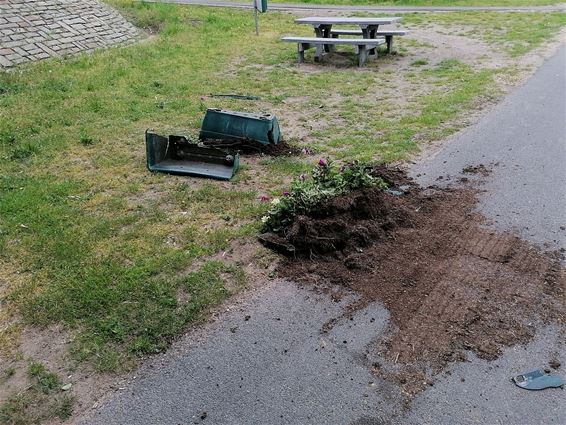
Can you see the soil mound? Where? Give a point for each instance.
(450, 284)
(348, 223)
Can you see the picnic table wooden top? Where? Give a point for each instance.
(333, 20)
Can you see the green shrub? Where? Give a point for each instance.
(326, 181)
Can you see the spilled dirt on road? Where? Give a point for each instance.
(450, 284)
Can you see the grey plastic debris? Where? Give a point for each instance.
(538, 380)
(394, 192)
(401, 190)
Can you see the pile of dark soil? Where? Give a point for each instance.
(449, 284)
(255, 148)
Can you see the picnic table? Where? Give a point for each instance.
(369, 30)
(323, 25)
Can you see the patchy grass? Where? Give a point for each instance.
(419, 3)
(419, 62)
(7, 373)
(42, 400)
(506, 30)
(45, 381)
(118, 255)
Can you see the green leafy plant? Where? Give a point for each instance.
(326, 181)
(45, 380)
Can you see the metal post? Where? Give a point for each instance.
(255, 19)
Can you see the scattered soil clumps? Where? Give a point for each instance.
(477, 169)
(450, 284)
(283, 149)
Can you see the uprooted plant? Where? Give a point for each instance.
(327, 180)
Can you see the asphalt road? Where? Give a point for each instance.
(266, 361)
(522, 143)
(377, 9)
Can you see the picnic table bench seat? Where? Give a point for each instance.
(388, 34)
(364, 45)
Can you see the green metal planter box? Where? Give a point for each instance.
(240, 127)
(176, 155)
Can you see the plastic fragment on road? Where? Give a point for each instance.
(538, 380)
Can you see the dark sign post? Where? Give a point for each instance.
(261, 6)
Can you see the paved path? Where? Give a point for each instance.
(266, 362)
(34, 30)
(392, 9)
(523, 144)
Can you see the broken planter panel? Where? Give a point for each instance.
(240, 127)
(176, 155)
(538, 380)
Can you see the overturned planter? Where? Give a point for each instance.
(240, 128)
(176, 155)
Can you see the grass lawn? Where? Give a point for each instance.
(501, 3)
(123, 259)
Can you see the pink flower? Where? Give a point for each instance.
(322, 163)
(263, 198)
(286, 194)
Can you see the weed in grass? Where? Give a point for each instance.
(23, 151)
(7, 137)
(85, 139)
(16, 410)
(41, 401)
(45, 380)
(419, 62)
(8, 373)
(63, 407)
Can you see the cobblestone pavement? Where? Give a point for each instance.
(38, 29)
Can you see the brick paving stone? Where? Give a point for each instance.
(5, 62)
(34, 30)
(20, 52)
